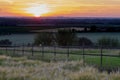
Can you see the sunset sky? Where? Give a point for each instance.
(67, 8)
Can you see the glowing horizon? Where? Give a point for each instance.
(71, 8)
(37, 10)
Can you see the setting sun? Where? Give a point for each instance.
(37, 10)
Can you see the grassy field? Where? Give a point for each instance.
(75, 55)
(22, 68)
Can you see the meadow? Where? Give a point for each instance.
(110, 57)
(22, 68)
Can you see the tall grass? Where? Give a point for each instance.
(14, 68)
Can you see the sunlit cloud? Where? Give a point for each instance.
(8, 1)
(37, 9)
(60, 7)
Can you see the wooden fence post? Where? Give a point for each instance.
(101, 59)
(14, 49)
(83, 51)
(42, 51)
(6, 50)
(68, 52)
(54, 52)
(32, 49)
(23, 49)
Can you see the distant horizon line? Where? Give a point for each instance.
(58, 17)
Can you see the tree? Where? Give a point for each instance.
(44, 38)
(65, 37)
(5, 42)
(105, 41)
(85, 41)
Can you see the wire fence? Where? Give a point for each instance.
(93, 55)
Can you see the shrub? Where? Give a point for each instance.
(43, 39)
(105, 41)
(61, 38)
(84, 41)
(5, 42)
(65, 37)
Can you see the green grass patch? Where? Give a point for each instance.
(49, 55)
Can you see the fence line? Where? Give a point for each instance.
(58, 50)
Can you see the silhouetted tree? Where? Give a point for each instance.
(65, 37)
(93, 28)
(105, 41)
(5, 42)
(44, 39)
(84, 41)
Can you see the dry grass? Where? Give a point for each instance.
(24, 69)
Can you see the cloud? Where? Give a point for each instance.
(66, 2)
(79, 7)
(99, 2)
(7, 1)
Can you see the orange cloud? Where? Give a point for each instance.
(78, 8)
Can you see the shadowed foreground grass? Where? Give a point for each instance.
(21, 68)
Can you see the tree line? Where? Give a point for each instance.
(5, 42)
(69, 38)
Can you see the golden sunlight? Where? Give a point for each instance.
(37, 10)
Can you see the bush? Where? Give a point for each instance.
(65, 37)
(84, 41)
(105, 41)
(5, 42)
(44, 39)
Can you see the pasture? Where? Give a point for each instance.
(102, 58)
